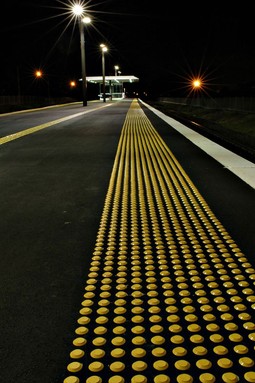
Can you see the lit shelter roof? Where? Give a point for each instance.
(114, 79)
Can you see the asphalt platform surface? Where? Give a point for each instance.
(53, 185)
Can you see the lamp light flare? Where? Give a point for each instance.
(38, 73)
(78, 9)
(197, 83)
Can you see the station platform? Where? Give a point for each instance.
(169, 296)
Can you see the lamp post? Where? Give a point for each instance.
(78, 10)
(104, 49)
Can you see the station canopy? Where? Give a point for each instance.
(113, 79)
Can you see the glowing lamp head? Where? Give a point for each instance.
(196, 83)
(86, 20)
(78, 9)
(38, 73)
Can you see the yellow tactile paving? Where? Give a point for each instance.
(169, 296)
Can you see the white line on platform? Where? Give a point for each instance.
(241, 167)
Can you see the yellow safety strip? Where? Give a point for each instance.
(28, 131)
(169, 296)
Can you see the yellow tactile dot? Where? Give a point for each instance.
(119, 330)
(209, 317)
(139, 365)
(177, 339)
(161, 379)
(212, 327)
(120, 310)
(154, 309)
(74, 366)
(182, 365)
(216, 338)
(94, 379)
(225, 363)
(71, 379)
(171, 309)
(223, 308)
(116, 379)
(78, 342)
(81, 330)
(184, 378)
(77, 353)
(102, 319)
(191, 318)
(175, 328)
(250, 376)
(120, 302)
(97, 353)
(138, 352)
(194, 327)
(220, 350)
(203, 364)
(137, 302)
(138, 330)
(207, 378)
(188, 309)
(200, 350)
(230, 377)
(117, 366)
(117, 352)
(103, 302)
(139, 379)
(103, 311)
(83, 320)
(231, 326)
(197, 338)
(85, 311)
(179, 351)
(246, 362)
(249, 326)
(158, 352)
(100, 330)
(241, 349)
(252, 336)
(138, 340)
(235, 337)
(156, 329)
(160, 365)
(157, 340)
(96, 366)
(240, 307)
(227, 317)
(120, 319)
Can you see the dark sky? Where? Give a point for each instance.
(162, 42)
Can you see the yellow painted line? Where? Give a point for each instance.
(34, 129)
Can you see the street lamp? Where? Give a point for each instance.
(78, 10)
(116, 67)
(104, 49)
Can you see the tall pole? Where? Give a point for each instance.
(83, 63)
(103, 70)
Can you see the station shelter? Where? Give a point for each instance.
(114, 85)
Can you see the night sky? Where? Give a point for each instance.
(162, 42)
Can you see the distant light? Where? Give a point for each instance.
(72, 84)
(197, 83)
(103, 47)
(38, 73)
(78, 9)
